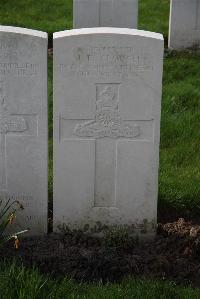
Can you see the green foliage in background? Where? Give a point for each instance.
(46, 15)
(179, 183)
(154, 16)
(56, 15)
(16, 282)
(179, 180)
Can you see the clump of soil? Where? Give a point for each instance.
(173, 255)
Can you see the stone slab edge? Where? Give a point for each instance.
(25, 31)
(108, 30)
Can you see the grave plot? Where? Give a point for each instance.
(107, 103)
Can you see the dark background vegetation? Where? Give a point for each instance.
(179, 175)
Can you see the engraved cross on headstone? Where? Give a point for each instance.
(106, 128)
(8, 124)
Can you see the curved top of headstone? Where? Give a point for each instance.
(107, 30)
(25, 31)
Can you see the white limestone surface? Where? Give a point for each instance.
(23, 126)
(184, 24)
(107, 104)
(105, 13)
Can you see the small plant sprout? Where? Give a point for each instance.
(8, 210)
(15, 237)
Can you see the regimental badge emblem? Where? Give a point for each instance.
(107, 122)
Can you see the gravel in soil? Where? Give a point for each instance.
(173, 255)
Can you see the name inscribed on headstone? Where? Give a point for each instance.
(107, 61)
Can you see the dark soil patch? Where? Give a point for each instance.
(173, 255)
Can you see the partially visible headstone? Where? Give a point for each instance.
(184, 27)
(105, 13)
(107, 104)
(23, 125)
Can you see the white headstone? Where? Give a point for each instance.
(105, 13)
(107, 104)
(184, 27)
(23, 125)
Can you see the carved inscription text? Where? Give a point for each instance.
(8, 48)
(18, 69)
(121, 62)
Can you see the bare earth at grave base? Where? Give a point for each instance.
(174, 255)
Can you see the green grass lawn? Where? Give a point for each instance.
(179, 178)
(46, 15)
(20, 283)
(154, 16)
(56, 15)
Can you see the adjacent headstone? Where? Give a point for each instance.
(105, 13)
(184, 27)
(107, 104)
(23, 125)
